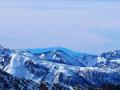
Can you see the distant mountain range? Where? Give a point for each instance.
(57, 69)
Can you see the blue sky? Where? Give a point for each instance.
(82, 25)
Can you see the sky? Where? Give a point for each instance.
(91, 26)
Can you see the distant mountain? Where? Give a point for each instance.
(62, 68)
(65, 56)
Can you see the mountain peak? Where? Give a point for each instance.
(111, 55)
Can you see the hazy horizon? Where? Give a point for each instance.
(85, 26)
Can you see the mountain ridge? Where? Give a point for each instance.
(59, 67)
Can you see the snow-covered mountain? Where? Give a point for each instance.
(109, 59)
(8, 82)
(61, 68)
(65, 56)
